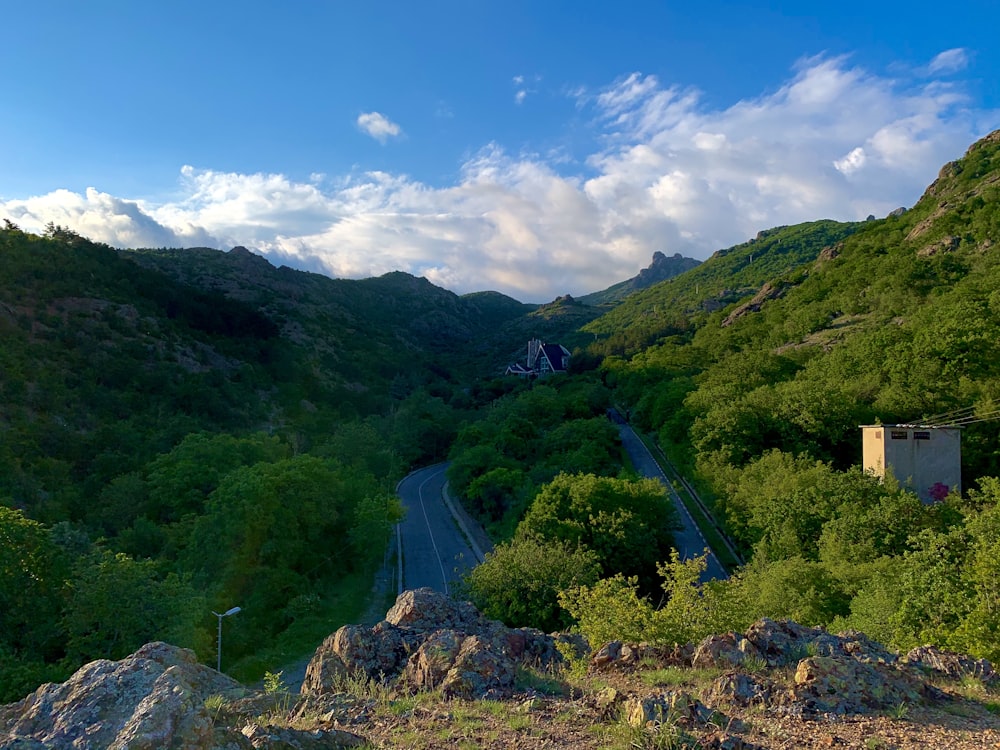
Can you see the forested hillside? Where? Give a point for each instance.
(893, 320)
(185, 431)
(754, 371)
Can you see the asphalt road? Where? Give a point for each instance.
(435, 551)
(689, 540)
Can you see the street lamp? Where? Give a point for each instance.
(218, 648)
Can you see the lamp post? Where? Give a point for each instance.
(218, 648)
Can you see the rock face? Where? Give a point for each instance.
(952, 666)
(767, 292)
(431, 641)
(151, 700)
(724, 650)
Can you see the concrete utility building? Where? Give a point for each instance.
(926, 459)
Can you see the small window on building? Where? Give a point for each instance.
(898, 434)
(878, 434)
(925, 435)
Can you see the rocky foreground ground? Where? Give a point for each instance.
(436, 673)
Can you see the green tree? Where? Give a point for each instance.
(519, 582)
(116, 604)
(611, 610)
(272, 530)
(627, 523)
(180, 481)
(497, 492)
(32, 569)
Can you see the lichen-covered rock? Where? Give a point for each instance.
(150, 700)
(859, 646)
(738, 688)
(432, 641)
(670, 707)
(782, 641)
(462, 666)
(843, 685)
(325, 669)
(378, 653)
(426, 610)
(23, 743)
(537, 649)
(428, 667)
(479, 669)
(284, 738)
(607, 702)
(950, 665)
(614, 653)
(723, 650)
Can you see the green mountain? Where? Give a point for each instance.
(732, 275)
(111, 356)
(189, 428)
(660, 269)
(830, 326)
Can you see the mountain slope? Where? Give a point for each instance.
(660, 269)
(897, 320)
(729, 276)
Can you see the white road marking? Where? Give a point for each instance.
(430, 532)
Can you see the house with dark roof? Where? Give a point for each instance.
(543, 359)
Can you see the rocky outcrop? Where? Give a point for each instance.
(431, 641)
(151, 699)
(951, 666)
(156, 698)
(767, 292)
(843, 685)
(724, 650)
(161, 697)
(846, 673)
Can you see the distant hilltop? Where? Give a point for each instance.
(661, 269)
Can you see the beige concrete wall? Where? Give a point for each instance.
(918, 458)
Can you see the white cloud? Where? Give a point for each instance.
(852, 162)
(525, 85)
(949, 61)
(668, 173)
(378, 126)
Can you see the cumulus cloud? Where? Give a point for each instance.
(852, 162)
(666, 173)
(378, 126)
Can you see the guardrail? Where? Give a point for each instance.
(704, 518)
(708, 516)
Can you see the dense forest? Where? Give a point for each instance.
(188, 430)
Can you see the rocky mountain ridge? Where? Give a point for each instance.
(660, 269)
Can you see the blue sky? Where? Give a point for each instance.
(536, 148)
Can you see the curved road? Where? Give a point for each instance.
(434, 551)
(688, 539)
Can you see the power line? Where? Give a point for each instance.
(949, 416)
(974, 418)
